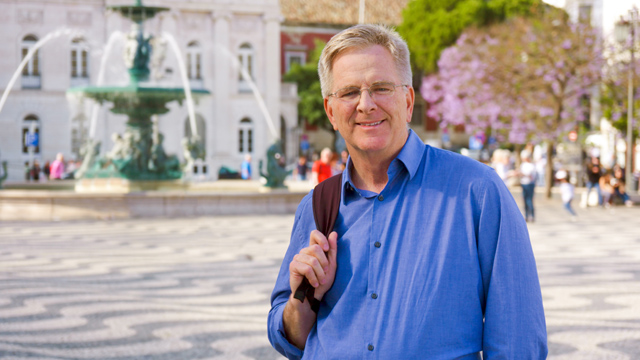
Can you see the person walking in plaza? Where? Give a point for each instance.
(321, 169)
(245, 168)
(566, 192)
(594, 172)
(302, 168)
(57, 167)
(429, 257)
(527, 175)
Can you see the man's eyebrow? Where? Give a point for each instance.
(372, 84)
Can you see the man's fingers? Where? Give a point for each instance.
(309, 267)
(333, 247)
(317, 237)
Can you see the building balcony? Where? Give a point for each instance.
(31, 82)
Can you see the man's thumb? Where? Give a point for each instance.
(333, 245)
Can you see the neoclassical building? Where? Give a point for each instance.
(214, 37)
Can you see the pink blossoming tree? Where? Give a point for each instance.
(522, 80)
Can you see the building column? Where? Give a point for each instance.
(221, 131)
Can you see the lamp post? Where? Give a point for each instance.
(625, 33)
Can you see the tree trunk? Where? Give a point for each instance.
(549, 169)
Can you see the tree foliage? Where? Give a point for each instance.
(615, 85)
(311, 105)
(430, 26)
(521, 80)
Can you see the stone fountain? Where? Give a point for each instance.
(137, 160)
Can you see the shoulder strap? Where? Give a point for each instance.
(326, 205)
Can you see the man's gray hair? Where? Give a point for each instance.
(360, 37)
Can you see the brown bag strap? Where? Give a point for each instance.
(326, 205)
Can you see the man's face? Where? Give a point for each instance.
(370, 127)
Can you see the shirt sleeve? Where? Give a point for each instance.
(514, 322)
(282, 290)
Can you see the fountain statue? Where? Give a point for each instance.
(138, 154)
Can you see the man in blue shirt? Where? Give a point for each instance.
(430, 257)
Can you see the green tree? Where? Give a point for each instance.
(311, 105)
(430, 26)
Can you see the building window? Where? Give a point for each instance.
(31, 71)
(294, 57)
(200, 127)
(79, 59)
(30, 125)
(246, 58)
(584, 13)
(194, 61)
(245, 136)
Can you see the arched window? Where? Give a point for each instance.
(245, 136)
(31, 71)
(79, 59)
(30, 126)
(246, 59)
(194, 61)
(200, 127)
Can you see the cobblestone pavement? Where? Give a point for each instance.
(199, 288)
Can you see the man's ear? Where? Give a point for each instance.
(329, 110)
(410, 98)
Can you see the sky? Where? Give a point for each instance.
(612, 11)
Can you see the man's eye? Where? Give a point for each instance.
(382, 90)
(349, 93)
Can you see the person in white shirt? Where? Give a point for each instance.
(566, 192)
(527, 176)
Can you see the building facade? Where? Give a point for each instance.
(214, 40)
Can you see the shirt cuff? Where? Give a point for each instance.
(291, 351)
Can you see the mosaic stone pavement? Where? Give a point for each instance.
(199, 288)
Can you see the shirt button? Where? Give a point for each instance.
(377, 244)
(374, 296)
(370, 347)
(380, 197)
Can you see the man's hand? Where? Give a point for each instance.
(317, 263)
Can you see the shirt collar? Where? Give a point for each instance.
(410, 156)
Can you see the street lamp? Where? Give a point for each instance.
(624, 31)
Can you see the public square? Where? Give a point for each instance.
(198, 288)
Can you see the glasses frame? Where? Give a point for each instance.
(360, 90)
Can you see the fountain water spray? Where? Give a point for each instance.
(28, 57)
(185, 82)
(103, 62)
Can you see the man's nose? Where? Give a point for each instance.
(366, 103)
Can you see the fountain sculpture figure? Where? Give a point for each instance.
(138, 154)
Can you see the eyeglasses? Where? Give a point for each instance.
(380, 91)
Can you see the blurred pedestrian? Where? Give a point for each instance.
(57, 167)
(321, 169)
(567, 192)
(619, 186)
(302, 168)
(594, 172)
(35, 171)
(606, 189)
(46, 169)
(245, 168)
(527, 175)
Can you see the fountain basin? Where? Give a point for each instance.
(199, 199)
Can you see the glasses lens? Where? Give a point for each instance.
(348, 94)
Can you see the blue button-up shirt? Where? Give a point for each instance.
(436, 266)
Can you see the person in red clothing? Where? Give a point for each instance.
(322, 168)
